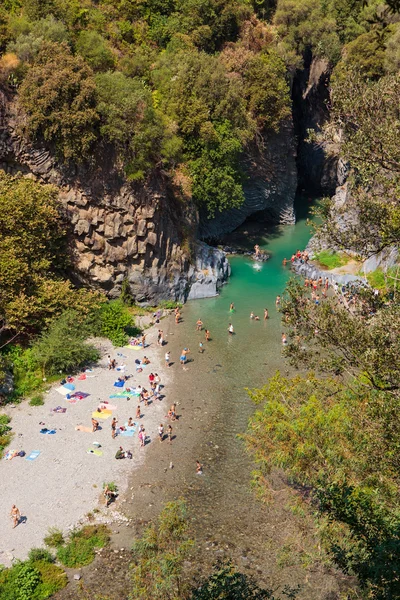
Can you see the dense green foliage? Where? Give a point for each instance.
(180, 83)
(5, 432)
(79, 550)
(33, 579)
(342, 443)
(62, 348)
(115, 321)
(33, 259)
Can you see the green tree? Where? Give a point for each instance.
(215, 174)
(157, 568)
(367, 115)
(33, 259)
(335, 339)
(341, 444)
(95, 50)
(63, 347)
(129, 121)
(58, 96)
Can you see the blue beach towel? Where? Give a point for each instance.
(33, 455)
(128, 432)
(119, 384)
(48, 431)
(69, 386)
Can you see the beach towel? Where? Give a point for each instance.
(69, 386)
(48, 431)
(107, 406)
(94, 451)
(140, 347)
(72, 400)
(102, 415)
(62, 390)
(83, 428)
(82, 377)
(9, 454)
(79, 395)
(124, 394)
(119, 383)
(59, 409)
(33, 455)
(121, 368)
(127, 432)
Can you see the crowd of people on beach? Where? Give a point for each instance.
(147, 395)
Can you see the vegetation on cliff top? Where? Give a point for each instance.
(186, 83)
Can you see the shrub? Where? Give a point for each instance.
(31, 579)
(79, 551)
(112, 486)
(54, 538)
(97, 535)
(169, 304)
(26, 581)
(5, 432)
(53, 579)
(62, 347)
(115, 318)
(36, 554)
(36, 401)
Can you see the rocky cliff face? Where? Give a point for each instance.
(119, 230)
(316, 163)
(270, 186)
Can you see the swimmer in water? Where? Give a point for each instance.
(278, 300)
(284, 339)
(266, 316)
(256, 318)
(207, 335)
(230, 329)
(232, 306)
(251, 315)
(284, 262)
(199, 325)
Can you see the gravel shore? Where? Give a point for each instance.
(65, 482)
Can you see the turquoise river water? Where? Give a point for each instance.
(267, 541)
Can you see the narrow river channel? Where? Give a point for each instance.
(266, 540)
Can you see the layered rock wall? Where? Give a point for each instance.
(119, 230)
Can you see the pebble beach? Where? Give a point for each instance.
(64, 483)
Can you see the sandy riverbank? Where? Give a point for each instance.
(64, 483)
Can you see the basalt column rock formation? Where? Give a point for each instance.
(119, 230)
